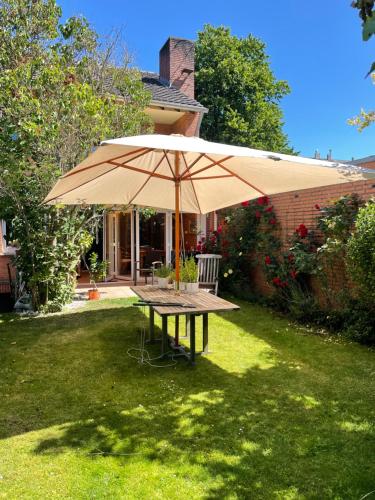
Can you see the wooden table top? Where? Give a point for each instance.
(204, 302)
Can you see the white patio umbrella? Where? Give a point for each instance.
(189, 174)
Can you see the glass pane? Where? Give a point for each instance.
(152, 240)
(124, 254)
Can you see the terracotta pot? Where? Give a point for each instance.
(94, 294)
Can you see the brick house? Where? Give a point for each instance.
(129, 238)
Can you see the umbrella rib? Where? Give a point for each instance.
(208, 178)
(188, 167)
(238, 176)
(140, 170)
(213, 164)
(69, 174)
(77, 187)
(192, 185)
(148, 178)
(169, 164)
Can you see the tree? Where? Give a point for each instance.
(235, 81)
(54, 108)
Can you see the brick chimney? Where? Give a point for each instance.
(176, 61)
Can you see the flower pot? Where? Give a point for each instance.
(192, 287)
(182, 286)
(94, 294)
(163, 282)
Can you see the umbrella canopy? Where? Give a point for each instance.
(143, 170)
(186, 173)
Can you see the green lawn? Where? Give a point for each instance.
(273, 412)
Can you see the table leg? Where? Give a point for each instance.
(176, 330)
(164, 335)
(152, 325)
(192, 340)
(205, 333)
(187, 326)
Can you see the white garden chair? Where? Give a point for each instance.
(208, 267)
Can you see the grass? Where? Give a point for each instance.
(272, 412)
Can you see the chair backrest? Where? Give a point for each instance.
(208, 266)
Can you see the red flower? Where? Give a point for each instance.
(263, 200)
(220, 229)
(293, 274)
(225, 243)
(291, 257)
(277, 281)
(302, 230)
(245, 203)
(267, 260)
(284, 284)
(317, 207)
(269, 209)
(258, 214)
(272, 221)
(199, 247)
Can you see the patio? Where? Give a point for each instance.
(274, 412)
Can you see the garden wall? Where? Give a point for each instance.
(299, 207)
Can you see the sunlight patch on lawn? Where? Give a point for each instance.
(246, 350)
(308, 402)
(357, 426)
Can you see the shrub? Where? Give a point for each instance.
(361, 252)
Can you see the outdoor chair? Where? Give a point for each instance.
(147, 271)
(208, 268)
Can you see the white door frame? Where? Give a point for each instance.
(113, 243)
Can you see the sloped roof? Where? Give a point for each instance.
(162, 93)
(367, 159)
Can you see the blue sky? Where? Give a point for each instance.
(315, 46)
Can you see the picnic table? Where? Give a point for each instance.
(192, 305)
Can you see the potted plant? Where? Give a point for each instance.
(172, 276)
(98, 272)
(163, 275)
(190, 275)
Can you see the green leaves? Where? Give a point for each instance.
(368, 28)
(53, 112)
(235, 82)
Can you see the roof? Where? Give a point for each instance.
(366, 159)
(163, 93)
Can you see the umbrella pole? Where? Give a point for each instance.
(177, 218)
(177, 232)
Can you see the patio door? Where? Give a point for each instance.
(112, 243)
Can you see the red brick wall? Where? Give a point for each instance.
(4, 261)
(298, 207)
(187, 125)
(176, 60)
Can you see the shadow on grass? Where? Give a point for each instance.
(287, 429)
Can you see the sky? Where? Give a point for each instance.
(316, 46)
